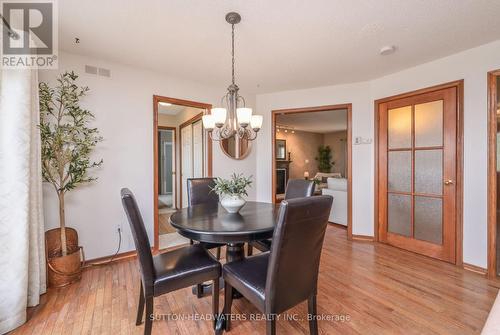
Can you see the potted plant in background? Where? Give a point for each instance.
(324, 159)
(231, 192)
(66, 144)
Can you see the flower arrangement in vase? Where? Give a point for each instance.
(232, 191)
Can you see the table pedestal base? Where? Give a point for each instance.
(234, 252)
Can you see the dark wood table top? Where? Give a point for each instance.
(209, 223)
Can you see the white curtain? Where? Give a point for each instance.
(22, 250)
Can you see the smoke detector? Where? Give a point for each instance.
(387, 50)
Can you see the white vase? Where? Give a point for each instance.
(232, 203)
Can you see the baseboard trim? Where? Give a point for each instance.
(362, 238)
(475, 269)
(125, 256)
(337, 225)
(108, 259)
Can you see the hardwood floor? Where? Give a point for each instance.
(380, 289)
(164, 226)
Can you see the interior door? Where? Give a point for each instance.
(167, 184)
(197, 149)
(174, 168)
(417, 173)
(187, 160)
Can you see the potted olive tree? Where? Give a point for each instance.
(66, 144)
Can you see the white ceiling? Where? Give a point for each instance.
(170, 110)
(280, 44)
(316, 122)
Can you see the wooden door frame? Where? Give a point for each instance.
(348, 107)
(174, 101)
(192, 120)
(459, 85)
(174, 129)
(492, 168)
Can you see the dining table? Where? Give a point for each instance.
(211, 223)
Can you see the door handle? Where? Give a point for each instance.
(448, 182)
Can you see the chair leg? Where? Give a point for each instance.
(313, 321)
(218, 253)
(140, 308)
(228, 301)
(199, 291)
(215, 300)
(271, 326)
(149, 316)
(250, 250)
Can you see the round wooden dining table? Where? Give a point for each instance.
(211, 223)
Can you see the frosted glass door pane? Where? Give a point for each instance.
(399, 214)
(429, 124)
(429, 171)
(399, 127)
(429, 219)
(399, 171)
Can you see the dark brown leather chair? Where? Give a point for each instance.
(199, 191)
(278, 280)
(168, 271)
(299, 188)
(296, 188)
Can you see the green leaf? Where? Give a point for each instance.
(67, 140)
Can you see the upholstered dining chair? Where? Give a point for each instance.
(199, 191)
(299, 188)
(170, 271)
(278, 280)
(295, 188)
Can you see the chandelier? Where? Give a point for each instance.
(234, 119)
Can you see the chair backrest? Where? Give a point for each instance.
(299, 188)
(140, 238)
(295, 252)
(199, 191)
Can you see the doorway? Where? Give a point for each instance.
(493, 173)
(298, 137)
(182, 149)
(419, 171)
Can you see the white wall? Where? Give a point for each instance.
(362, 155)
(123, 106)
(471, 65)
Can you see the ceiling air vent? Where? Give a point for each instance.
(97, 71)
(90, 69)
(104, 72)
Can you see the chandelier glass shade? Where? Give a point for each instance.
(232, 119)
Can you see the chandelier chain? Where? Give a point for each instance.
(232, 53)
(230, 127)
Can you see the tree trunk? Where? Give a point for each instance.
(62, 223)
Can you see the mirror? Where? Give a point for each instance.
(281, 149)
(236, 148)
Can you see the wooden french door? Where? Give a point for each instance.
(417, 173)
